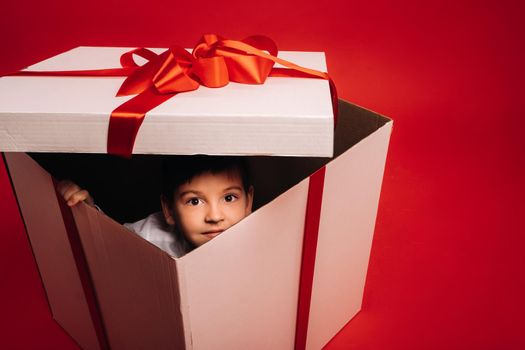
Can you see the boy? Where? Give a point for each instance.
(201, 197)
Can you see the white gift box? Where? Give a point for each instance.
(109, 288)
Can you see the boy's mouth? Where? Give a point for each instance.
(213, 233)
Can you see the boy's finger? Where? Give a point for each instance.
(67, 187)
(77, 197)
(63, 186)
(70, 191)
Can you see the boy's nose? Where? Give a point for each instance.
(214, 214)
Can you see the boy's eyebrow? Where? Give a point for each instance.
(233, 188)
(198, 193)
(190, 192)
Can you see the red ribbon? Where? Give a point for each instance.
(214, 62)
(83, 271)
(311, 233)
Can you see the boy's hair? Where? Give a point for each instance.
(177, 170)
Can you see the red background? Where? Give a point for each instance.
(447, 262)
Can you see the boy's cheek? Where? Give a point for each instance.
(196, 239)
(247, 207)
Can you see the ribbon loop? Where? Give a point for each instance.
(171, 77)
(212, 72)
(262, 43)
(127, 60)
(249, 69)
(205, 47)
(140, 79)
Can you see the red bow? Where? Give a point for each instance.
(213, 63)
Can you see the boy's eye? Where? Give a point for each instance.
(230, 197)
(193, 201)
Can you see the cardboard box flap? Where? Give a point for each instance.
(283, 116)
(135, 282)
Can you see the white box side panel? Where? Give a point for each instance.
(242, 287)
(348, 215)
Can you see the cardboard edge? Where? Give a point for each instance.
(184, 307)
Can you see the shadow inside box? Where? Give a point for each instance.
(128, 190)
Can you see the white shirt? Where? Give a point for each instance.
(155, 229)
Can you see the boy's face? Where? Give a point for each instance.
(208, 204)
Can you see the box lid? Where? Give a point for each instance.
(283, 116)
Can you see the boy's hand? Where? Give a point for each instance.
(73, 194)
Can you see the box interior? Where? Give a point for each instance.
(129, 190)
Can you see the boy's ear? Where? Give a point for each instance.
(249, 203)
(167, 210)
